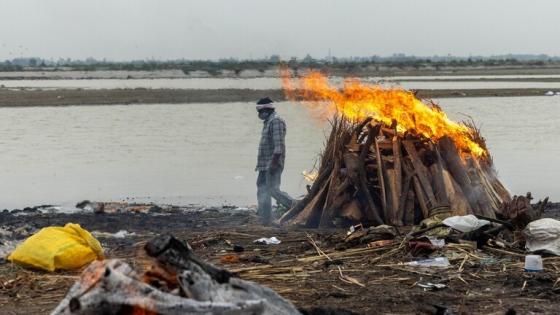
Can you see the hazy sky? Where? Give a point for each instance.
(208, 29)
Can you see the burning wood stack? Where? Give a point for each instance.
(396, 169)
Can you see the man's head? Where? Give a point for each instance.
(265, 107)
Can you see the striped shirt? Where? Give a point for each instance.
(272, 142)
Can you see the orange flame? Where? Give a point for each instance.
(356, 101)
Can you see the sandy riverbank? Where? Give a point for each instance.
(65, 97)
(272, 71)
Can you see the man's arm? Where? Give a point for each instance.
(278, 142)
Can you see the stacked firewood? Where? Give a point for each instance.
(370, 173)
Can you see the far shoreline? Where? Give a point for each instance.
(78, 97)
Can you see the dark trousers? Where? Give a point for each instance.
(268, 186)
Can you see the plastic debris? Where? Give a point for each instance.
(436, 242)
(268, 241)
(543, 235)
(441, 262)
(533, 263)
(429, 286)
(119, 234)
(354, 228)
(465, 223)
(123, 234)
(8, 246)
(52, 248)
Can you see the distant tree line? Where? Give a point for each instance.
(215, 67)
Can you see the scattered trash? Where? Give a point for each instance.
(381, 243)
(425, 245)
(533, 263)
(432, 226)
(354, 228)
(441, 262)
(11, 237)
(357, 234)
(123, 234)
(543, 235)
(429, 286)
(8, 246)
(119, 234)
(436, 242)
(229, 259)
(268, 241)
(52, 248)
(465, 223)
(118, 207)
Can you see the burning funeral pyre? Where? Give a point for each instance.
(392, 159)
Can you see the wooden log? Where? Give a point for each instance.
(493, 194)
(315, 188)
(421, 197)
(484, 200)
(404, 195)
(352, 163)
(457, 200)
(456, 167)
(398, 174)
(383, 195)
(339, 199)
(504, 194)
(395, 218)
(372, 213)
(436, 170)
(334, 182)
(361, 126)
(352, 211)
(311, 213)
(359, 130)
(409, 208)
(385, 144)
(421, 174)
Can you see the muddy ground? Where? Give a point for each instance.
(485, 282)
(69, 97)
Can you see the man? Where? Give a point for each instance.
(270, 160)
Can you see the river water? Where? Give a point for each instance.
(205, 153)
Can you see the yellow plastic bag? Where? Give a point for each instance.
(68, 247)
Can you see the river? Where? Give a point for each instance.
(205, 153)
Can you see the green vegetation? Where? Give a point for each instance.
(331, 64)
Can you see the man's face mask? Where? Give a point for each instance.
(263, 114)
